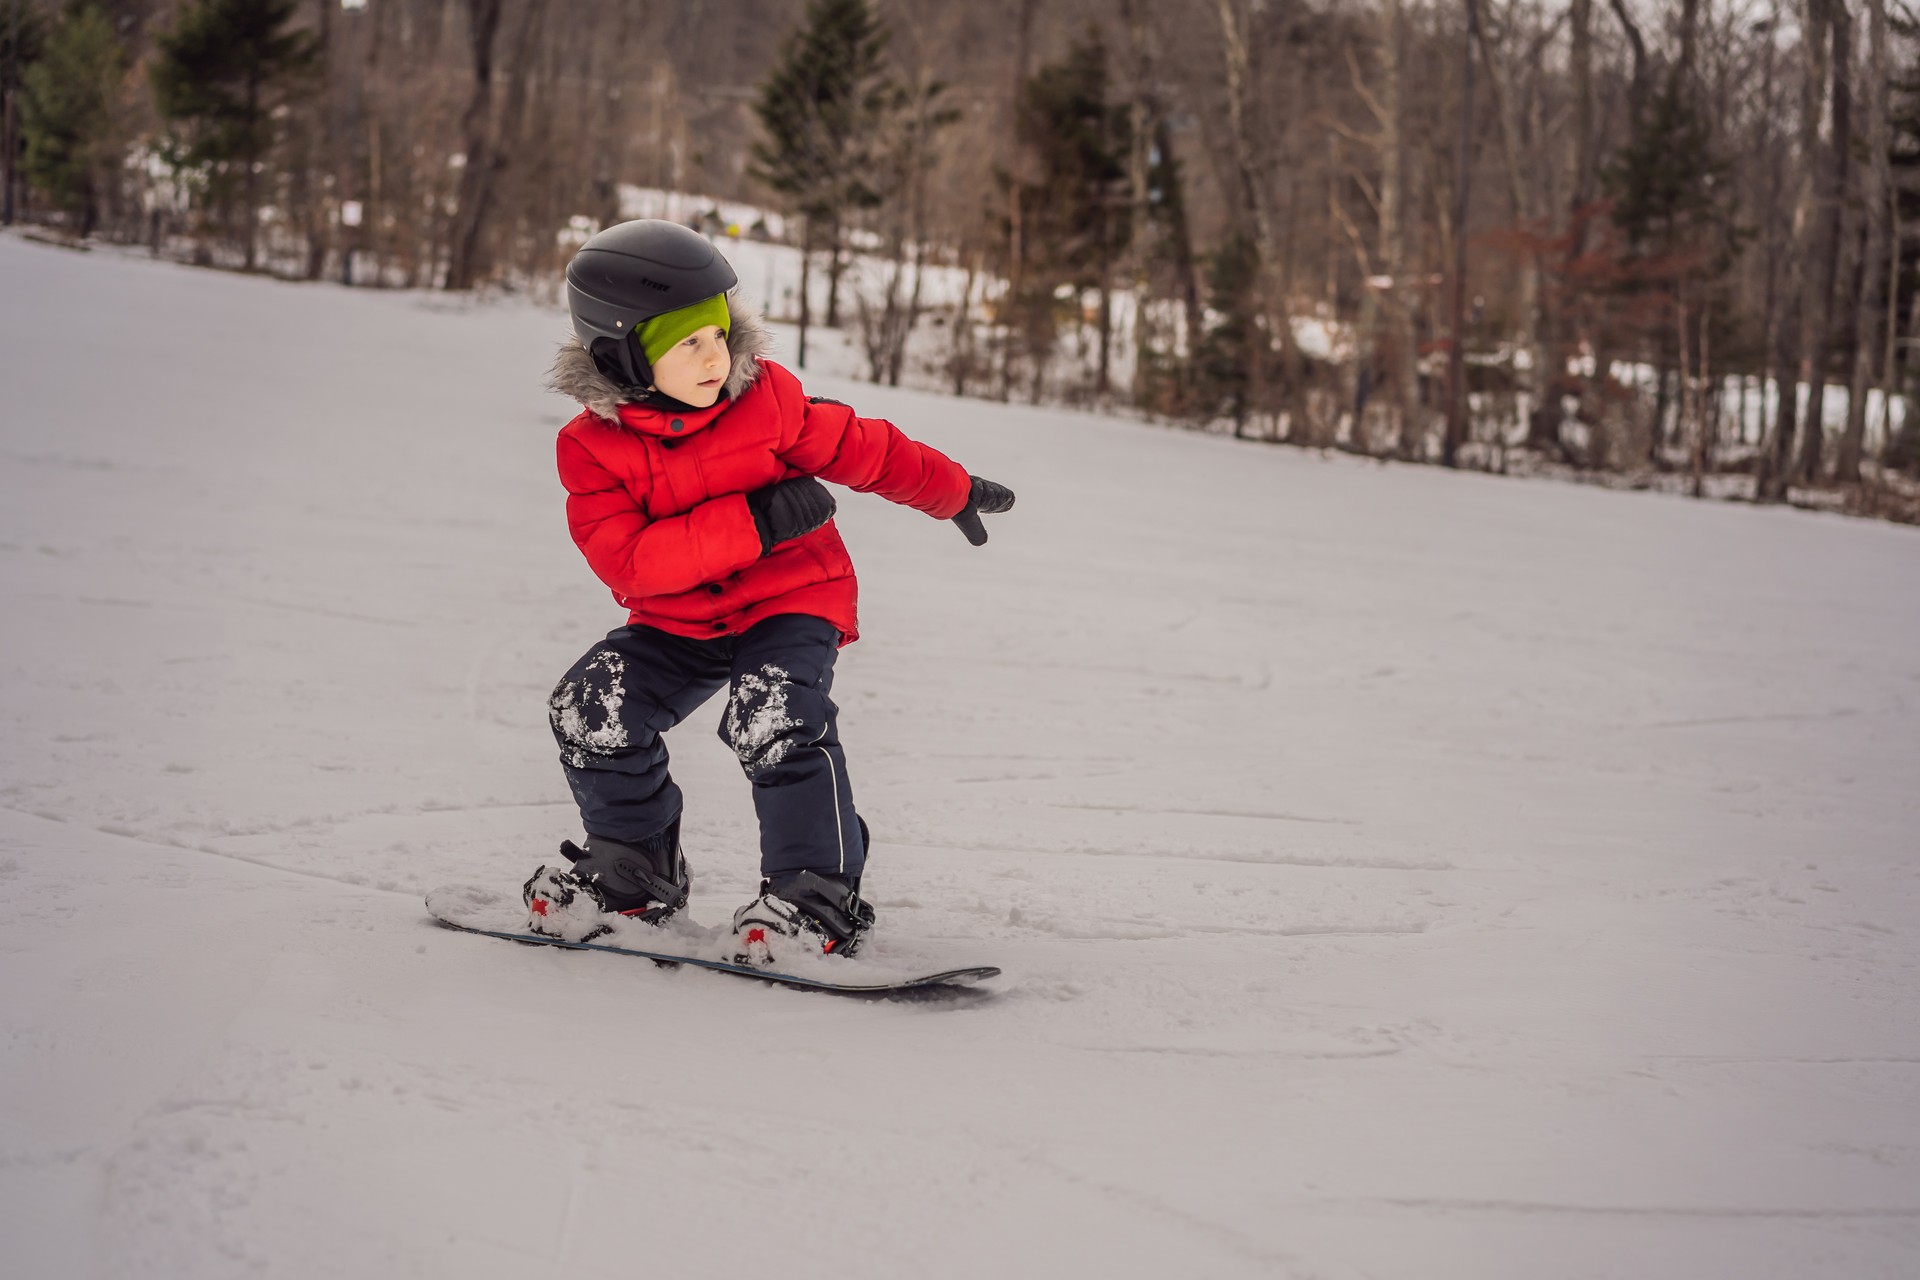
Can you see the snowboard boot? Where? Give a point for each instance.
(607, 880)
(801, 913)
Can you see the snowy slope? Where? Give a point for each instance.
(1398, 874)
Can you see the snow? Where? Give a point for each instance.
(1397, 873)
(757, 716)
(573, 699)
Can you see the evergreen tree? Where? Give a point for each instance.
(222, 70)
(1669, 193)
(822, 108)
(67, 114)
(22, 40)
(1075, 216)
(1222, 383)
(1078, 218)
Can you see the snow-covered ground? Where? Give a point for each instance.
(1397, 873)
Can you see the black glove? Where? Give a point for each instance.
(784, 511)
(988, 497)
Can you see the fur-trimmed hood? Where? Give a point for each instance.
(574, 373)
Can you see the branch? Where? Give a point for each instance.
(1366, 189)
(1633, 38)
(1360, 87)
(1351, 134)
(1509, 144)
(1359, 243)
(1545, 38)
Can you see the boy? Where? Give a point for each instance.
(691, 491)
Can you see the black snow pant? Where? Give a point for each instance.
(611, 709)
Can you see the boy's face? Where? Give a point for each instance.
(694, 369)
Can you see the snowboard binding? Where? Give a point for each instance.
(801, 912)
(606, 879)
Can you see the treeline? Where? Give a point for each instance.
(1670, 241)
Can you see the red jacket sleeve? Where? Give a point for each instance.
(640, 557)
(874, 456)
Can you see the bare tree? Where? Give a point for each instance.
(1876, 181)
(1773, 467)
(1831, 184)
(1457, 344)
(477, 170)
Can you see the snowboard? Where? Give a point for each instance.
(492, 915)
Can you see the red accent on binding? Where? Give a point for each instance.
(757, 935)
(539, 906)
(827, 948)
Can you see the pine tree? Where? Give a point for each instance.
(22, 41)
(67, 114)
(1076, 217)
(822, 107)
(1222, 380)
(221, 72)
(1669, 194)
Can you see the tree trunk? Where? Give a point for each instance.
(610, 148)
(885, 336)
(916, 220)
(1254, 209)
(960, 351)
(1403, 377)
(1140, 125)
(1180, 237)
(476, 127)
(1457, 349)
(899, 357)
(1272, 321)
(1834, 187)
(1773, 467)
(1889, 367)
(1016, 220)
(1770, 372)
(1637, 91)
(806, 284)
(1875, 183)
(1856, 336)
(1570, 331)
(10, 115)
(1106, 264)
(1543, 420)
(1663, 398)
(835, 265)
(252, 161)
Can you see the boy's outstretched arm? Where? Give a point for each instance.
(872, 455)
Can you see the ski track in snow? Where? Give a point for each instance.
(1397, 874)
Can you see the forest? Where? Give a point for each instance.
(1640, 244)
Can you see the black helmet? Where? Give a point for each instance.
(630, 273)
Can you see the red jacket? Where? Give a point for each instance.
(656, 500)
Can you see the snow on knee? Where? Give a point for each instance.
(598, 690)
(759, 726)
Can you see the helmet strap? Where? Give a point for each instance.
(621, 360)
